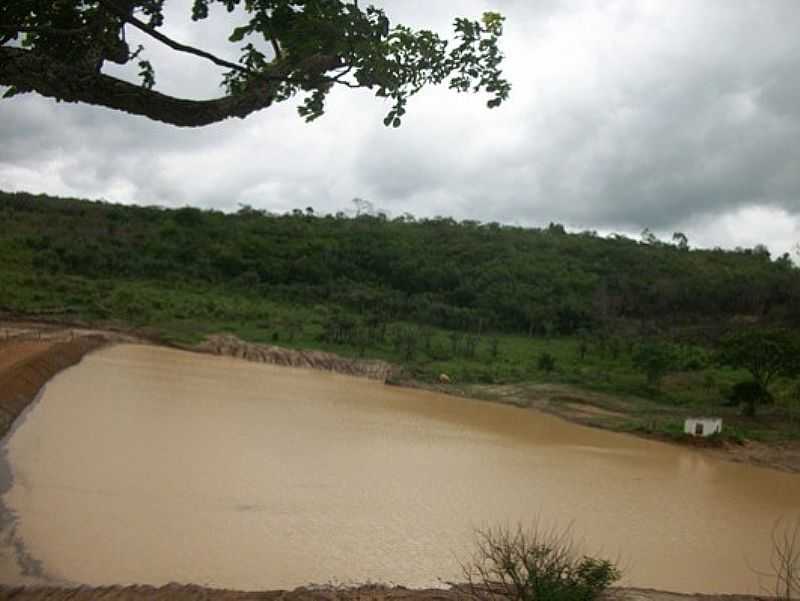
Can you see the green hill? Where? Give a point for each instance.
(467, 276)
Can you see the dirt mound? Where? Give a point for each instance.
(28, 366)
(231, 346)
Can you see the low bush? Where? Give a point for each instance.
(534, 565)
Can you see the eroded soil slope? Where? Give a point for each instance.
(231, 346)
(26, 365)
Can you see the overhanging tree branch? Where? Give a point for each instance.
(314, 47)
(28, 71)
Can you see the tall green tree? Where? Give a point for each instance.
(766, 354)
(59, 49)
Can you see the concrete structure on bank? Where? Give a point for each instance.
(702, 426)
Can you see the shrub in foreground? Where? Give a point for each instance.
(532, 564)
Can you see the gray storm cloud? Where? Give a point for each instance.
(676, 115)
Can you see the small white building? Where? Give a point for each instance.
(702, 426)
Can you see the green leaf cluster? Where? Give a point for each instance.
(313, 45)
(765, 353)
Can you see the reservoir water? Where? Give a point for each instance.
(149, 465)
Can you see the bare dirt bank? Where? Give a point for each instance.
(188, 592)
(26, 365)
(363, 593)
(231, 346)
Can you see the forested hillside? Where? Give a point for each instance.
(465, 276)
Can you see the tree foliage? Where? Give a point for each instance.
(465, 276)
(655, 360)
(748, 394)
(766, 354)
(286, 47)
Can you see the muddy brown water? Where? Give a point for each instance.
(148, 465)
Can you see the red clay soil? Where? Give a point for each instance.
(11, 354)
(27, 365)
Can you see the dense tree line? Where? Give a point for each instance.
(465, 275)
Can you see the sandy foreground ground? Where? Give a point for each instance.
(31, 354)
(363, 593)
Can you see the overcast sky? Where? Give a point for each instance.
(675, 115)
